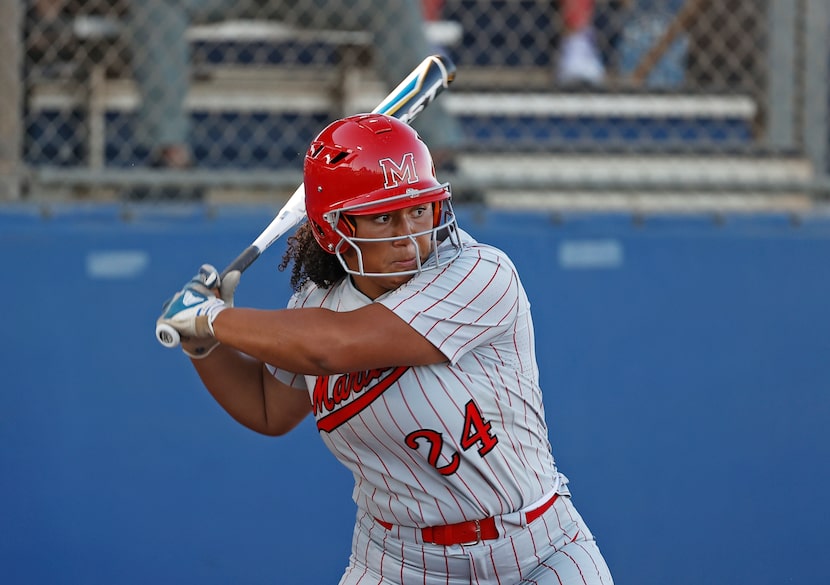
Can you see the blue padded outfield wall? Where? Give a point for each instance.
(685, 363)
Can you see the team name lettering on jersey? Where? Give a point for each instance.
(394, 174)
(344, 396)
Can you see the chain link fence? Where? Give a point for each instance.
(556, 103)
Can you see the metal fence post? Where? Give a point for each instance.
(816, 70)
(781, 83)
(11, 113)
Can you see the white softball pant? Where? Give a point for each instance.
(556, 548)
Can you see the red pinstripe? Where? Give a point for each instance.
(411, 412)
(476, 312)
(511, 504)
(520, 449)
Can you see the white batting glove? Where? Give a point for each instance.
(192, 310)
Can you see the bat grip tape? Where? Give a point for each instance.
(241, 262)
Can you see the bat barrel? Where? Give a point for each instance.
(419, 89)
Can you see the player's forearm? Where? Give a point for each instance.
(305, 341)
(321, 342)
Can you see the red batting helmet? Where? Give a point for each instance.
(368, 164)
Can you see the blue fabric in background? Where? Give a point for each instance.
(683, 360)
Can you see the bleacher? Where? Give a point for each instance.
(263, 90)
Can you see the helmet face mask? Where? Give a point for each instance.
(372, 164)
(444, 228)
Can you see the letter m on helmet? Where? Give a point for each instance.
(394, 174)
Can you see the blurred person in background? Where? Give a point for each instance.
(591, 31)
(162, 59)
(579, 58)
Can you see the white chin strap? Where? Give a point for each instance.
(445, 246)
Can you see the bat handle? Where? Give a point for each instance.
(167, 335)
(241, 262)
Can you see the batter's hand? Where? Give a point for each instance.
(192, 310)
(200, 347)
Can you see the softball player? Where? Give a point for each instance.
(412, 345)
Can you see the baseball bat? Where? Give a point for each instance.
(405, 102)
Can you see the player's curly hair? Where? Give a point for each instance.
(309, 261)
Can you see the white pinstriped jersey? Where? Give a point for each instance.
(454, 441)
